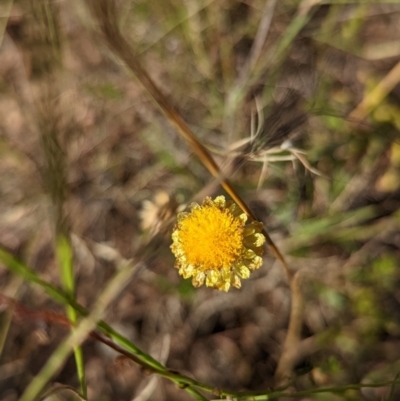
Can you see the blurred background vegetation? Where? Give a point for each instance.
(300, 97)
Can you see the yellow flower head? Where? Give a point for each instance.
(213, 244)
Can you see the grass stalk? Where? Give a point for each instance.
(65, 260)
(78, 335)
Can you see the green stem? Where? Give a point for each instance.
(65, 260)
(149, 363)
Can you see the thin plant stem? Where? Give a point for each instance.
(145, 360)
(134, 352)
(79, 334)
(65, 260)
(104, 11)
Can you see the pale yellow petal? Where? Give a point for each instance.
(212, 277)
(198, 279)
(242, 271)
(235, 281)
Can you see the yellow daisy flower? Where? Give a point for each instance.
(213, 244)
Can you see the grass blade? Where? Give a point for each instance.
(65, 260)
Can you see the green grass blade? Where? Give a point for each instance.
(65, 260)
(79, 334)
(61, 297)
(29, 275)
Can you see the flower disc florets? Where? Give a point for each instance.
(213, 244)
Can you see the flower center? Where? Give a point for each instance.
(211, 238)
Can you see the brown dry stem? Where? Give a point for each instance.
(291, 346)
(106, 17)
